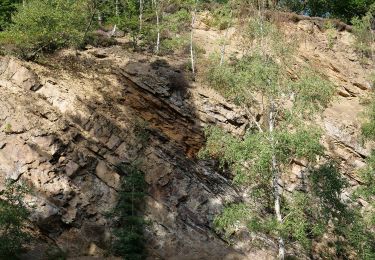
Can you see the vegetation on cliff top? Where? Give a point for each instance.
(31, 27)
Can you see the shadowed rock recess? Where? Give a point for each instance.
(66, 126)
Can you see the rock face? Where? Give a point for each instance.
(64, 132)
(66, 125)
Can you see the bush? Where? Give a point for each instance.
(368, 128)
(99, 40)
(364, 35)
(129, 238)
(13, 215)
(7, 8)
(46, 26)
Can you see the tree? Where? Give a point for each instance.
(7, 9)
(193, 17)
(13, 216)
(47, 26)
(129, 239)
(343, 9)
(261, 157)
(362, 30)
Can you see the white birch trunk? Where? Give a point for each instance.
(100, 19)
(276, 182)
(157, 27)
(191, 40)
(140, 14)
(117, 9)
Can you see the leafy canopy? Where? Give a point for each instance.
(47, 25)
(13, 216)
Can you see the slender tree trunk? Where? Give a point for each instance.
(224, 43)
(157, 26)
(261, 8)
(372, 44)
(117, 9)
(100, 19)
(191, 39)
(140, 14)
(276, 180)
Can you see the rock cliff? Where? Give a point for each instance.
(68, 121)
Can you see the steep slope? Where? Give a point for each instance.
(66, 128)
(68, 122)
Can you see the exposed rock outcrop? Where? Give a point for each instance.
(64, 133)
(66, 125)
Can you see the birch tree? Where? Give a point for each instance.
(261, 158)
(157, 6)
(193, 17)
(141, 14)
(222, 51)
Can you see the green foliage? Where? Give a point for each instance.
(252, 73)
(174, 31)
(7, 9)
(344, 9)
(296, 6)
(231, 219)
(13, 215)
(347, 9)
(129, 231)
(250, 157)
(362, 235)
(310, 215)
(368, 128)
(312, 92)
(359, 237)
(331, 33)
(128, 19)
(372, 79)
(367, 189)
(98, 40)
(176, 22)
(327, 185)
(141, 131)
(46, 26)
(237, 81)
(221, 18)
(363, 33)
(260, 34)
(8, 128)
(297, 224)
(171, 45)
(257, 149)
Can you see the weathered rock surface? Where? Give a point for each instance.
(64, 132)
(67, 124)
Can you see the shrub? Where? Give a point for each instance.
(331, 34)
(99, 40)
(368, 128)
(8, 128)
(7, 8)
(364, 35)
(129, 239)
(13, 215)
(46, 26)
